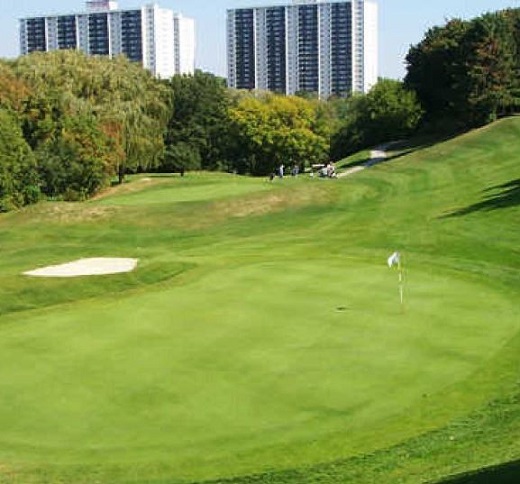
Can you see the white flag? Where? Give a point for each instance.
(394, 259)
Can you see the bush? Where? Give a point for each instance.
(18, 175)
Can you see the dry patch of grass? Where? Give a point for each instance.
(135, 186)
(73, 212)
(206, 214)
(7, 474)
(64, 213)
(263, 204)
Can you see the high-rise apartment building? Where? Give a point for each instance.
(327, 47)
(161, 40)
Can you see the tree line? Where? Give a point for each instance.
(71, 124)
(467, 73)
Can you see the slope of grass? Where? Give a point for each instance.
(261, 338)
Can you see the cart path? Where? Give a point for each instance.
(377, 155)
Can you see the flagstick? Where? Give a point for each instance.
(400, 282)
(392, 260)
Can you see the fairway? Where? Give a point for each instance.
(202, 187)
(270, 342)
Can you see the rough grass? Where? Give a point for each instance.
(261, 340)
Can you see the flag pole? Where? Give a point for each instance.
(401, 292)
(395, 259)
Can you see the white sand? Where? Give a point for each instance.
(86, 267)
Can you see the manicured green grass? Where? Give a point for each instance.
(356, 159)
(196, 187)
(261, 338)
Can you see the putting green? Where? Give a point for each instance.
(224, 371)
(262, 331)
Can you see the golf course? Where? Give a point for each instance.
(261, 337)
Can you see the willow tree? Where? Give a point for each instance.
(134, 107)
(128, 105)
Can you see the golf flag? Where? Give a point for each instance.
(394, 259)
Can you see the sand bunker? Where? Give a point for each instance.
(86, 267)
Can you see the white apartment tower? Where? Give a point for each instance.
(161, 40)
(326, 47)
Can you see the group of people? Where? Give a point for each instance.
(280, 171)
(326, 171)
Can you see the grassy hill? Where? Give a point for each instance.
(261, 338)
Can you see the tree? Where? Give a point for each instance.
(467, 73)
(13, 91)
(436, 71)
(491, 56)
(126, 102)
(388, 112)
(198, 128)
(272, 129)
(18, 176)
(180, 157)
(77, 162)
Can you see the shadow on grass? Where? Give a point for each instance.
(421, 142)
(401, 148)
(503, 474)
(508, 196)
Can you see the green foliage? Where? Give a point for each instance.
(433, 66)
(90, 118)
(181, 156)
(121, 98)
(466, 72)
(198, 129)
(393, 111)
(388, 112)
(13, 91)
(18, 176)
(77, 162)
(492, 72)
(273, 130)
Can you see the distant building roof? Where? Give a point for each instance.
(101, 5)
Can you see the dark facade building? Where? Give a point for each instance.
(159, 39)
(326, 47)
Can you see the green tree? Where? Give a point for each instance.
(128, 104)
(491, 57)
(393, 111)
(272, 129)
(350, 136)
(436, 71)
(388, 112)
(77, 162)
(180, 157)
(467, 73)
(13, 91)
(18, 176)
(198, 128)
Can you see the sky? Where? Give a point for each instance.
(402, 23)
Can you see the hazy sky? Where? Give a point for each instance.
(401, 23)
